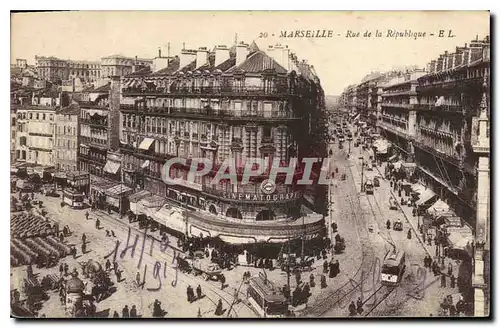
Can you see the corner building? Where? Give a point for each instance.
(229, 103)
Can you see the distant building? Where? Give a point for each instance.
(117, 65)
(57, 70)
(66, 138)
(21, 63)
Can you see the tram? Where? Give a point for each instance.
(393, 268)
(265, 298)
(73, 198)
(369, 187)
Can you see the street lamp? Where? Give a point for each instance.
(362, 172)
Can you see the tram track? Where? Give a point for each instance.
(356, 280)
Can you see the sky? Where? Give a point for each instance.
(338, 61)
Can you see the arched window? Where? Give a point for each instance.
(265, 215)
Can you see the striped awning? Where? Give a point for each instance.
(146, 143)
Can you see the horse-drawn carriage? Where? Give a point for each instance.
(393, 203)
(100, 283)
(291, 263)
(209, 271)
(398, 226)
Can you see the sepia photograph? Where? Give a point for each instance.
(250, 164)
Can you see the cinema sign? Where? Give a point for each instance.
(276, 197)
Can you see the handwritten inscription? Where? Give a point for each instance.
(157, 273)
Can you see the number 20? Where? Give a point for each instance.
(263, 35)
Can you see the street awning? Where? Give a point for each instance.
(461, 238)
(438, 207)
(170, 218)
(135, 198)
(102, 185)
(145, 164)
(118, 190)
(111, 167)
(425, 196)
(146, 143)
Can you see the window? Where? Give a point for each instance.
(237, 105)
(237, 132)
(266, 132)
(43, 116)
(37, 116)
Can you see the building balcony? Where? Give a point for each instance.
(424, 144)
(91, 104)
(213, 114)
(217, 91)
(396, 105)
(390, 93)
(95, 123)
(94, 142)
(451, 108)
(92, 159)
(450, 84)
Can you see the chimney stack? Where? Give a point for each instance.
(187, 56)
(221, 54)
(241, 53)
(201, 57)
(159, 52)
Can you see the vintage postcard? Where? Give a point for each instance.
(250, 164)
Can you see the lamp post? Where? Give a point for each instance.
(362, 172)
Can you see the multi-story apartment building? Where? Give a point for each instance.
(96, 131)
(57, 70)
(35, 129)
(225, 105)
(117, 65)
(66, 138)
(397, 112)
(439, 119)
(452, 134)
(13, 131)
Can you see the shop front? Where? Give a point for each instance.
(116, 198)
(98, 193)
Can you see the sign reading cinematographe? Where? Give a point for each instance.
(261, 197)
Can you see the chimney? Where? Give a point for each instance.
(135, 60)
(201, 57)
(241, 53)
(159, 52)
(285, 58)
(221, 54)
(187, 56)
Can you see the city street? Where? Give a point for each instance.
(173, 298)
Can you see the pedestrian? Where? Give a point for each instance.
(337, 267)
(108, 265)
(116, 315)
(138, 278)
(107, 233)
(125, 312)
(222, 281)
(61, 269)
(113, 233)
(443, 280)
(453, 310)
(325, 267)
(423, 237)
(73, 252)
(218, 309)
(297, 277)
(84, 248)
(359, 305)
(61, 237)
(352, 309)
(332, 270)
(311, 280)
(118, 274)
(97, 224)
(388, 224)
(450, 269)
(323, 281)
(84, 238)
(198, 292)
(87, 215)
(115, 266)
(66, 268)
(133, 312)
(409, 234)
(452, 281)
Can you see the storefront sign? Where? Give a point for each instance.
(261, 197)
